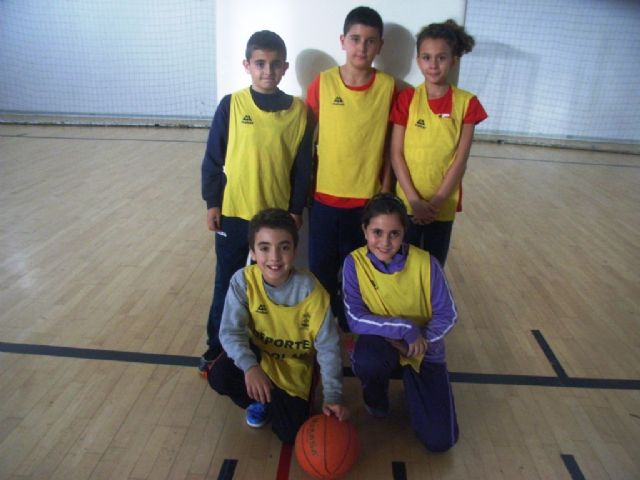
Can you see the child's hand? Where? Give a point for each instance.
(258, 384)
(213, 219)
(417, 348)
(434, 208)
(340, 411)
(422, 212)
(399, 345)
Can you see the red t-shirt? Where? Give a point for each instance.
(440, 106)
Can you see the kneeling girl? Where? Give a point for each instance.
(398, 302)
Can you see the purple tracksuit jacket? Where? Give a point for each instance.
(362, 321)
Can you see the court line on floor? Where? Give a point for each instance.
(98, 354)
(284, 462)
(116, 139)
(187, 361)
(561, 162)
(227, 469)
(548, 352)
(399, 470)
(95, 139)
(572, 467)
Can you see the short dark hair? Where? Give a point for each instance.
(274, 218)
(385, 204)
(455, 35)
(363, 16)
(266, 40)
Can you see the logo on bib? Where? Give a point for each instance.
(247, 120)
(305, 320)
(338, 101)
(420, 123)
(262, 309)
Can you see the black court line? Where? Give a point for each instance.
(186, 361)
(548, 352)
(399, 470)
(530, 380)
(227, 469)
(572, 467)
(96, 354)
(151, 140)
(116, 139)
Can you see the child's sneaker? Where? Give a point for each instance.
(257, 414)
(376, 411)
(207, 360)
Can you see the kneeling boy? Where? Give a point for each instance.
(276, 322)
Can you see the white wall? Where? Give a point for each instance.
(311, 31)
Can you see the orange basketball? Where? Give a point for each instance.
(327, 448)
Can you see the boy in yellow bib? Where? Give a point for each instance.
(258, 156)
(276, 322)
(352, 104)
(431, 138)
(398, 302)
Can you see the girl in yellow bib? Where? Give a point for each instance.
(397, 300)
(433, 127)
(276, 323)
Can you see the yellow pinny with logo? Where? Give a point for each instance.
(285, 334)
(351, 136)
(260, 153)
(430, 145)
(405, 294)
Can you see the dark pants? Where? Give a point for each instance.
(434, 238)
(428, 393)
(333, 234)
(288, 413)
(231, 256)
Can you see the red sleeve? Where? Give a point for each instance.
(313, 96)
(400, 110)
(394, 98)
(475, 112)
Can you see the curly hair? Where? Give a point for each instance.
(455, 35)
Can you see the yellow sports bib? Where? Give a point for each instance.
(260, 154)
(353, 127)
(430, 145)
(405, 294)
(285, 335)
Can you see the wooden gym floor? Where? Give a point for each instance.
(105, 282)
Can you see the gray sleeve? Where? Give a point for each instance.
(234, 326)
(327, 344)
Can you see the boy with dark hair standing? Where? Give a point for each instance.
(352, 104)
(276, 322)
(258, 155)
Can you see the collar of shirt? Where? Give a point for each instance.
(271, 102)
(395, 265)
